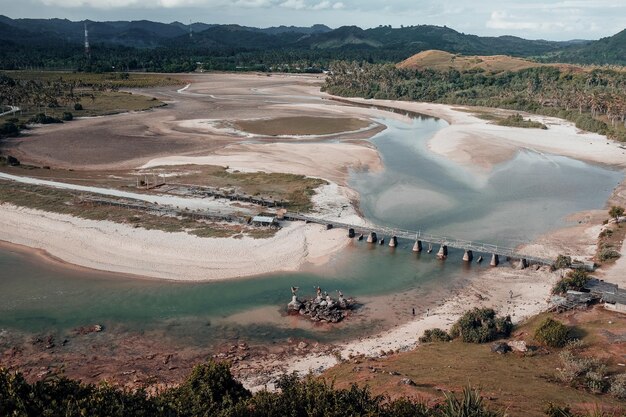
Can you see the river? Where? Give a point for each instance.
(514, 203)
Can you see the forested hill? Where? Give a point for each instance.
(173, 47)
(611, 50)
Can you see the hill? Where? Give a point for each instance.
(168, 47)
(441, 60)
(610, 50)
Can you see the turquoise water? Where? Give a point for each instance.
(517, 201)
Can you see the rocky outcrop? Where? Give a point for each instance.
(322, 308)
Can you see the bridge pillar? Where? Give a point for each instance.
(418, 246)
(351, 233)
(495, 260)
(443, 252)
(468, 256)
(393, 242)
(371, 238)
(522, 264)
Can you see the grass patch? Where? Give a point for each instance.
(65, 202)
(516, 120)
(94, 103)
(521, 384)
(114, 79)
(513, 120)
(301, 125)
(295, 190)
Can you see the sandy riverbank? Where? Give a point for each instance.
(475, 142)
(115, 247)
(330, 161)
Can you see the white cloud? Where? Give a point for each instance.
(502, 20)
(294, 4)
(322, 5)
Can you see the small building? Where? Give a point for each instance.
(265, 221)
(614, 298)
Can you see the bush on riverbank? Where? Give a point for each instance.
(553, 333)
(434, 335)
(481, 325)
(575, 280)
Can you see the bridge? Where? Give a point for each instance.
(420, 238)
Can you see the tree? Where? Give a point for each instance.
(616, 212)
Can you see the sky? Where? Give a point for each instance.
(531, 19)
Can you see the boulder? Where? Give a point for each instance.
(500, 347)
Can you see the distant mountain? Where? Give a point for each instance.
(610, 50)
(176, 46)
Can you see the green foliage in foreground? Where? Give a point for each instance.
(553, 333)
(211, 390)
(481, 325)
(575, 280)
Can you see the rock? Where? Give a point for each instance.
(96, 328)
(500, 347)
(303, 345)
(408, 381)
(517, 345)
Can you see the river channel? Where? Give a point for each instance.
(513, 203)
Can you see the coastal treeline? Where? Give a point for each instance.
(595, 100)
(211, 390)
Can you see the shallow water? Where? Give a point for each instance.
(517, 201)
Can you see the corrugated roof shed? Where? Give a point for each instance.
(263, 219)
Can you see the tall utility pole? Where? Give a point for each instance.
(87, 50)
(190, 30)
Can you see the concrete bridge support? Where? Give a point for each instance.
(522, 264)
(495, 260)
(418, 246)
(443, 252)
(351, 233)
(468, 256)
(371, 238)
(393, 242)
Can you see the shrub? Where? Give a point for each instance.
(67, 116)
(435, 335)
(586, 372)
(574, 280)
(607, 253)
(78, 106)
(553, 333)
(9, 160)
(618, 386)
(481, 326)
(470, 404)
(563, 261)
(44, 119)
(616, 212)
(9, 129)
